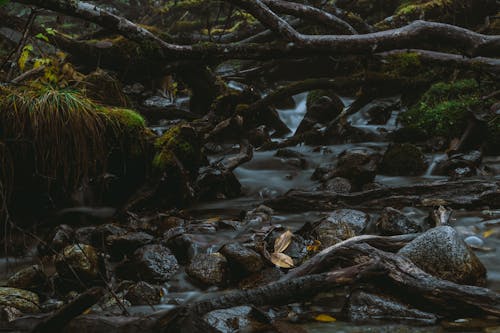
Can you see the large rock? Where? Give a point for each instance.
(340, 225)
(322, 107)
(78, 259)
(152, 263)
(442, 253)
(209, 269)
(403, 160)
(142, 293)
(393, 222)
(359, 166)
(24, 301)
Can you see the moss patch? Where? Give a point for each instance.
(403, 160)
(443, 109)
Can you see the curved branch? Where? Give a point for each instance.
(418, 34)
(310, 13)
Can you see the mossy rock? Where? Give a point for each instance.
(23, 300)
(179, 144)
(444, 109)
(315, 95)
(105, 88)
(403, 160)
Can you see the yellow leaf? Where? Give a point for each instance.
(324, 318)
(283, 241)
(488, 233)
(314, 247)
(214, 219)
(281, 260)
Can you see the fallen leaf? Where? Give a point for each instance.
(283, 241)
(214, 219)
(324, 318)
(488, 233)
(314, 247)
(281, 260)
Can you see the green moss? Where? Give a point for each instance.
(403, 160)
(126, 118)
(443, 109)
(314, 95)
(407, 63)
(179, 142)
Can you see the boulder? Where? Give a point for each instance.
(443, 253)
(403, 159)
(393, 222)
(22, 300)
(340, 225)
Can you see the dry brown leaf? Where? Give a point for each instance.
(283, 241)
(281, 260)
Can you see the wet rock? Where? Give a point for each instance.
(51, 304)
(258, 216)
(359, 166)
(259, 136)
(209, 269)
(322, 107)
(83, 235)
(152, 263)
(9, 313)
(459, 165)
(31, 278)
(59, 239)
(142, 293)
(79, 259)
(124, 245)
(367, 307)
(100, 234)
(293, 158)
(442, 252)
(379, 111)
(213, 183)
(22, 300)
(394, 222)
(242, 259)
(237, 319)
(340, 225)
(184, 247)
(403, 160)
(337, 184)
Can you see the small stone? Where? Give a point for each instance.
(340, 225)
(23, 300)
(236, 319)
(474, 241)
(143, 293)
(394, 222)
(126, 244)
(153, 263)
(443, 253)
(209, 269)
(241, 258)
(338, 185)
(79, 259)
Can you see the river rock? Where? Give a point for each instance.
(443, 253)
(183, 246)
(32, 277)
(143, 293)
(394, 222)
(152, 263)
(403, 159)
(80, 259)
(214, 183)
(459, 165)
(367, 307)
(359, 166)
(9, 313)
(340, 225)
(338, 185)
(23, 300)
(322, 107)
(209, 269)
(242, 259)
(237, 319)
(125, 244)
(100, 234)
(60, 238)
(83, 235)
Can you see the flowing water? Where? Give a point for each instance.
(267, 176)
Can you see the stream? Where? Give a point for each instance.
(267, 176)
